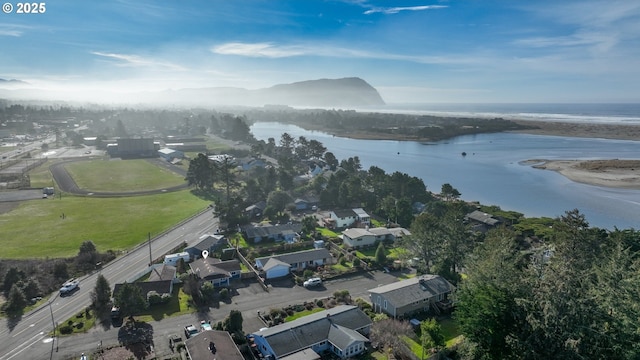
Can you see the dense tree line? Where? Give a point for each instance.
(575, 298)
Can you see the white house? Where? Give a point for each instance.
(342, 218)
(280, 265)
(366, 237)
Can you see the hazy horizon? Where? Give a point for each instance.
(440, 51)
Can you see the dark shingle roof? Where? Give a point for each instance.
(213, 268)
(302, 333)
(344, 213)
(409, 291)
(299, 256)
(163, 272)
(271, 230)
(226, 349)
(161, 287)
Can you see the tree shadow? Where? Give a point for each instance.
(13, 320)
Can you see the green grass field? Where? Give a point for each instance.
(36, 228)
(121, 175)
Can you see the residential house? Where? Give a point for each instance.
(246, 164)
(216, 271)
(340, 219)
(341, 331)
(363, 219)
(212, 344)
(208, 242)
(255, 210)
(280, 265)
(481, 221)
(282, 232)
(161, 279)
(357, 237)
(405, 297)
(306, 203)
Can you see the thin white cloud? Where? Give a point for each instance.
(397, 9)
(272, 50)
(14, 33)
(135, 60)
(265, 49)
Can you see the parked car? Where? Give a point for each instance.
(115, 312)
(312, 282)
(190, 331)
(204, 326)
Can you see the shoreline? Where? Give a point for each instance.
(618, 174)
(583, 130)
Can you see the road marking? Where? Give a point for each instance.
(17, 351)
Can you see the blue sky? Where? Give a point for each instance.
(411, 51)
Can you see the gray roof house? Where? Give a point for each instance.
(402, 298)
(358, 237)
(208, 242)
(298, 260)
(282, 232)
(482, 221)
(161, 279)
(216, 271)
(340, 330)
(212, 344)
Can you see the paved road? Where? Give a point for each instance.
(26, 338)
(249, 299)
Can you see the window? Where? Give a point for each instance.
(385, 304)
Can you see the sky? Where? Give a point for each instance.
(432, 51)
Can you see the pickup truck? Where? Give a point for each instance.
(69, 287)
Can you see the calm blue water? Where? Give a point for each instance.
(491, 172)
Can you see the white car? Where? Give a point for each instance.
(69, 287)
(312, 282)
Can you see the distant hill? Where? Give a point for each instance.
(323, 92)
(11, 82)
(344, 92)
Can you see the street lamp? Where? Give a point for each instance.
(53, 323)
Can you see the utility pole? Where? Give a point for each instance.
(150, 257)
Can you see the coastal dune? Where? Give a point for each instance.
(614, 173)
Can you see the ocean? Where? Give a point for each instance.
(612, 113)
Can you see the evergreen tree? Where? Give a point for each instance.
(381, 255)
(101, 296)
(130, 300)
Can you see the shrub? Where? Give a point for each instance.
(65, 329)
(224, 293)
(307, 273)
(356, 262)
(343, 261)
(319, 303)
(79, 325)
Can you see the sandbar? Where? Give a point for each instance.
(621, 174)
(584, 130)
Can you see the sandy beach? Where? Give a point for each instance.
(603, 131)
(623, 174)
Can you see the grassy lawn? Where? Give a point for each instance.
(121, 175)
(41, 176)
(36, 230)
(450, 331)
(303, 313)
(415, 347)
(178, 305)
(327, 232)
